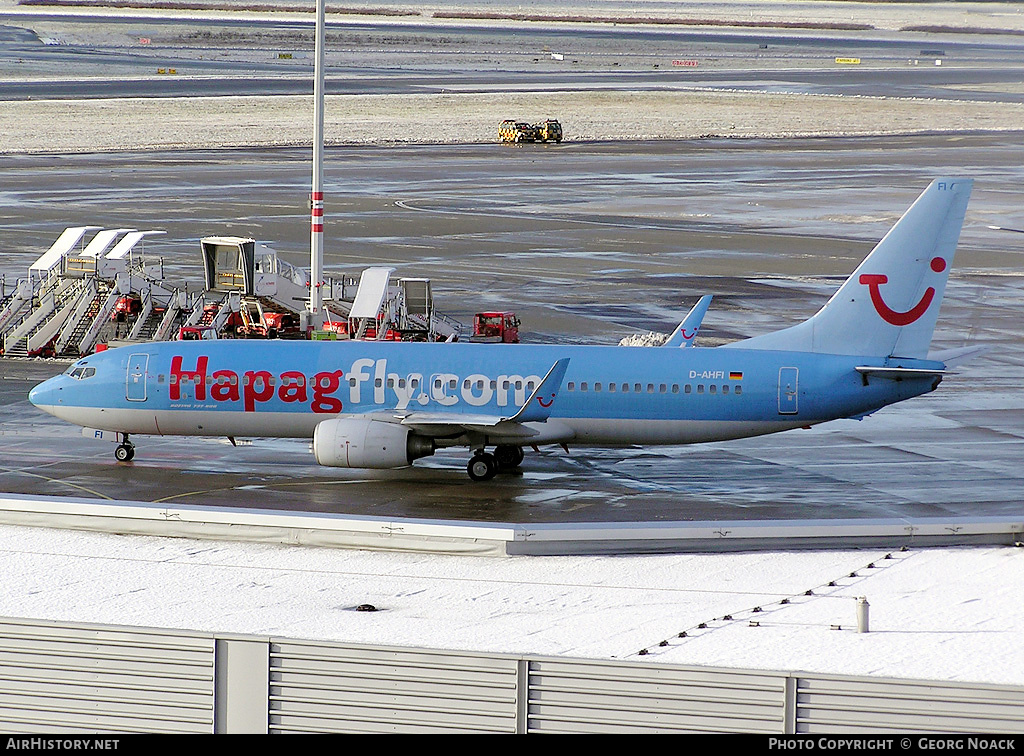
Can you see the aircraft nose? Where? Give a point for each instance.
(42, 395)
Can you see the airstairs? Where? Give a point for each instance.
(64, 306)
(265, 283)
(402, 310)
(96, 285)
(17, 305)
(40, 326)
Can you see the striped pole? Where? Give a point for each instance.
(316, 204)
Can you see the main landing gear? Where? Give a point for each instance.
(125, 450)
(484, 466)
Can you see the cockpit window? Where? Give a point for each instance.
(81, 373)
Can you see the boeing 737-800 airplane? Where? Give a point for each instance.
(381, 405)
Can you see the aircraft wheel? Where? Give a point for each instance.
(508, 456)
(124, 453)
(482, 467)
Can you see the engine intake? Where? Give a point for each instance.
(351, 442)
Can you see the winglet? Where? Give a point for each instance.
(686, 331)
(538, 406)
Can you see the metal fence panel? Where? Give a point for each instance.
(577, 696)
(62, 678)
(849, 705)
(316, 687)
(59, 677)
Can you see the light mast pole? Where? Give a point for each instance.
(316, 204)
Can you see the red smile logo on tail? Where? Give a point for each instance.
(874, 281)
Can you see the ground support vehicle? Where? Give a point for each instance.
(514, 132)
(495, 327)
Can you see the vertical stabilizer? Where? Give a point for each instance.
(889, 306)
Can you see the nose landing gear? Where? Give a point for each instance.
(125, 450)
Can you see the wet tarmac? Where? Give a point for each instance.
(588, 242)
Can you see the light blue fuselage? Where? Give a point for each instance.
(609, 395)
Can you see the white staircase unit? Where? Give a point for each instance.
(19, 301)
(51, 258)
(175, 306)
(103, 241)
(197, 312)
(51, 328)
(49, 302)
(277, 280)
(88, 342)
(127, 244)
(444, 327)
(370, 298)
(232, 303)
(373, 287)
(147, 310)
(85, 263)
(80, 311)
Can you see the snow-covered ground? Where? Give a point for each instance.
(892, 16)
(189, 122)
(943, 614)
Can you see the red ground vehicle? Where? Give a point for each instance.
(124, 307)
(389, 335)
(196, 333)
(281, 325)
(339, 327)
(495, 327)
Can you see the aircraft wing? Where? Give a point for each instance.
(686, 331)
(437, 425)
(536, 410)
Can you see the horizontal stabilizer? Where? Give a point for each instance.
(954, 357)
(898, 373)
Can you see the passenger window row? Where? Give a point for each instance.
(651, 388)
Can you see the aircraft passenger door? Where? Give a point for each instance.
(788, 390)
(135, 388)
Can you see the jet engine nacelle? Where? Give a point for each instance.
(351, 442)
